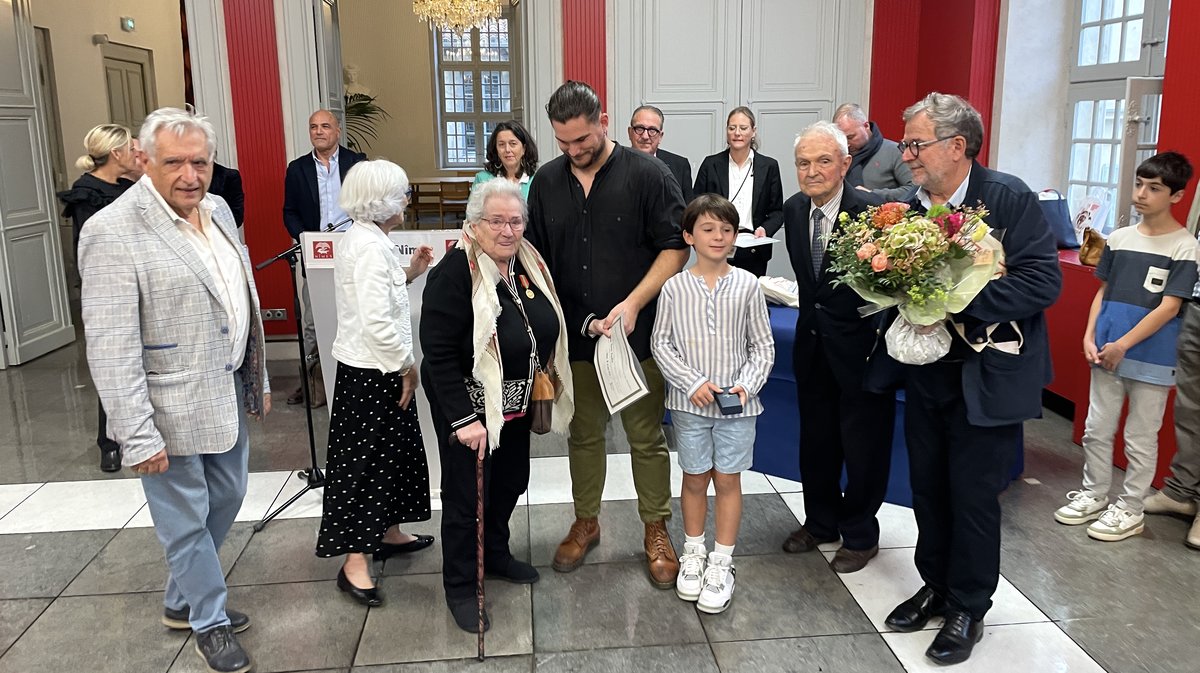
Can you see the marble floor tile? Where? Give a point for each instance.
(857, 653)
(1009, 648)
(786, 596)
(490, 664)
(284, 551)
(621, 532)
(133, 561)
(1154, 642)
(16, 615)
(54, 642)
(609, 605)
(12, 495)
(897, 527)
(308, 506)
(261, 490)
(415, 624)
(301, 626)
(783, 485)
(429, 560)
(690, 658)
(76, 505)
(766, 522)
(550, 480)
(41, 565)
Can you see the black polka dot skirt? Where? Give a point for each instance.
(377, 474)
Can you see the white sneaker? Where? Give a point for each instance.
(1161, 503)
(1082, 508)
(1116, 524)
(690, 579)
(718, 584)
(1193, 537)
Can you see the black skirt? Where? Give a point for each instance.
(377, 475)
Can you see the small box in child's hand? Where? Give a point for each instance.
(728, 402)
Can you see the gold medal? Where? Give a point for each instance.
(525, 284)
(529, 293)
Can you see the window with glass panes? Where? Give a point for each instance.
(474, 93)
(1116, 40)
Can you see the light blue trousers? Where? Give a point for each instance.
(193, 505)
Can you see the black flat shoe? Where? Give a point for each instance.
(387, 550)
(110, 460)
(512, 570)
(914, 613)
(953, 644)
(368, 597)
(466, 614)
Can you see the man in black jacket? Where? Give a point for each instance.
(645, 134)
(310, 200)
(875, 164)
(841, 424)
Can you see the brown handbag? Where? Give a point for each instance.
(1092, 247)
(541, 402)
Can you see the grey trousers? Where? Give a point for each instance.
(306, 317)
(1183, 484)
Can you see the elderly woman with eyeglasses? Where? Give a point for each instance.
(490, 319)
(377, 475)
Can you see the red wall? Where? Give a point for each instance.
(584, 58)
(1181, 97)
(262, 159)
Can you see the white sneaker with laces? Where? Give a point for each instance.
(690, 579)
(1161, 503)
(1116, 524)
(1082, 508)
(718, 584)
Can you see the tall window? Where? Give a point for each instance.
(476, 74)
(1116, 95)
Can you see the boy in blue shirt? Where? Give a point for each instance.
(1146, 272)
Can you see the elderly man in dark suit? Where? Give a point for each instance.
(833, 343)
(310, 200)
(645, 134)
(964, 413)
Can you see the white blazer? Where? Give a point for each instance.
(371, 288)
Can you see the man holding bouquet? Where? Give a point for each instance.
(964, 412)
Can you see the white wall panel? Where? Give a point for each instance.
(790, 49)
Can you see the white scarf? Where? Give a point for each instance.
(485, 276)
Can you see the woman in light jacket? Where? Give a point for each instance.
(377, 477)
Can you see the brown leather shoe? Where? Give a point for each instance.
(801, 541)
(852, 560)
(661, 561)
(584, 534)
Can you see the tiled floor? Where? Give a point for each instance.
(81, 587)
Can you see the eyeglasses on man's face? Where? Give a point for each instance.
(497, 224)
(648, 131)
(915, 146)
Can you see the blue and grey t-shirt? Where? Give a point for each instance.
(1140, 270)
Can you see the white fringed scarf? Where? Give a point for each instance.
(485, 276)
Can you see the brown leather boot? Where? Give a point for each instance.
(584, 534)
(661, 561)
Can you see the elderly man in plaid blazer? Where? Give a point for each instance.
(175, 347)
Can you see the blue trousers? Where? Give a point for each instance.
(193, 505)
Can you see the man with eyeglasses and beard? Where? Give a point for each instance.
(645, 134)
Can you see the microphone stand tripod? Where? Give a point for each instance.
(313, 477)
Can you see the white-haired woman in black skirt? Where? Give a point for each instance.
(377, 477)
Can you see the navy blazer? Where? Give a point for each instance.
(301, 201)
(681, 168)
(766, 200)
(828, 313)
(1000, 388)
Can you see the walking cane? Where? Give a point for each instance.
(479, 543)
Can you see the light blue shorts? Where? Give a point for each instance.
(704, 443)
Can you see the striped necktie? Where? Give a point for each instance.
(818, 241)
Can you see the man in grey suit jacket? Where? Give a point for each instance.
(175, 347)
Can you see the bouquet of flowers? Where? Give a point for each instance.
(929, 265)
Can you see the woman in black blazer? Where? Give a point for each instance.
(755, 187)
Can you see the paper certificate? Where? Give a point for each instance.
(747, 240)
(621, 380)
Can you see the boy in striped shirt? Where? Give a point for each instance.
(1146, 271)
(712, 333)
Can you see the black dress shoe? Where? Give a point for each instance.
(178, 619)
(388, 550)
(801, 541)
(221, 652)
(914, 613)
(368, 597)
(466, 614)
(110, 460)
(953, 644)
(512, 570)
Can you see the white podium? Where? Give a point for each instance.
(320, 250)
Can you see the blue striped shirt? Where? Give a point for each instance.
(721, 335)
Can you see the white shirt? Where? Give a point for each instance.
(956, 199)
(223, 259)
(742, 198)
(830, 210)
(329, 188)
(371, 288)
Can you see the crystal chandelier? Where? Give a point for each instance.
(457, 16)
